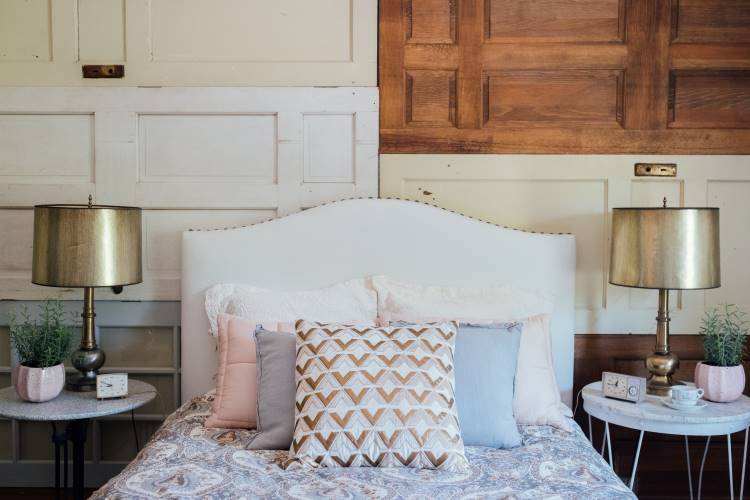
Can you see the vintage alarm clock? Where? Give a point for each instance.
(111, 385)
(624, 387)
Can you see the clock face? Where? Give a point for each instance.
(616, 385)
(111, 385)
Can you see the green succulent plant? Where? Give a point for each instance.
(724, 333)
(42, 342)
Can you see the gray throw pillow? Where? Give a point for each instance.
(276, 357)
(485, 361)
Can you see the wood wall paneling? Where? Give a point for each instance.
(191, 157)
(710, 21)
(544, 98)
(508, 21)
(563, 76)
(709, 99)
(192, 42)
(575, 194)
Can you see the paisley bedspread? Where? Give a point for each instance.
(185, 460)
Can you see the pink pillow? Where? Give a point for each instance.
(236, 391)
(235, 403)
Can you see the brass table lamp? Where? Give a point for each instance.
(665, 249)
(86, 246)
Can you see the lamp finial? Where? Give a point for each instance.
(664, 202)
(90, 202)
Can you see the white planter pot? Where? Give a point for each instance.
(721, 384)
(39, 384)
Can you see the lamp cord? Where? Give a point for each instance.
(132, 416)
(135, 432)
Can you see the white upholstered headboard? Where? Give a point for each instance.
(406, 240)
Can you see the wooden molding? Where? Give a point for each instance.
(608, 76)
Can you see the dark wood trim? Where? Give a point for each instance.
(645, 43)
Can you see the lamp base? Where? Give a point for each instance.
(82, 384)
(88, 358)
(661, 366)
(87, 362)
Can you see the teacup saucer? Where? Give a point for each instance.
(700, 404)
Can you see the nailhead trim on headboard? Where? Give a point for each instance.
(386, 198)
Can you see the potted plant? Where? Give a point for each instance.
(41, 347)
(721, 375)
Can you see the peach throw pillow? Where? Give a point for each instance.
(236, 391)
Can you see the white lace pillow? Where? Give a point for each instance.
(376, 397)
(352, 301)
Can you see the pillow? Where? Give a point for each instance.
(410, 302)
(485, 410)
(352, 301)
(536, 400)
(381, 397)
(234, 403)
(275, 373)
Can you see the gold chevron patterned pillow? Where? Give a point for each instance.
(376, 397)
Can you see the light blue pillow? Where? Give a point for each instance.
(484, 362)
(485, 369)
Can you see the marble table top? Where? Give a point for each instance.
(653, 414)
(653, 409)
(71, 405)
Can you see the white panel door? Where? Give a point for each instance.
(190, 42)
(575, 194)
(191, 157)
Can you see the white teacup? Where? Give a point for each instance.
(686, 395)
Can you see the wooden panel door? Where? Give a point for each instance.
(565, 76)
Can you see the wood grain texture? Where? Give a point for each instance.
(430, 98)
(564, 141)
(550, 98)
(647, 64)
(564, 76)
(469, 65)
(662, 469)
(430, 21)
(710, 21)
(709, 99)
(554, 20)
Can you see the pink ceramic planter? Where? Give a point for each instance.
(39, 384)
(721, 384)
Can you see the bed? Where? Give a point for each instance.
(331, 243)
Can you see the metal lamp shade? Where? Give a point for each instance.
(665, 248)
(86, 246)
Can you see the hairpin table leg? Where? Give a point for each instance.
(609, 443)
(689, 468)
(744, 462)
(731, 476)
(635, 460)
(703, 462)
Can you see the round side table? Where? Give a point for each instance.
(77, 408)
(651, 415)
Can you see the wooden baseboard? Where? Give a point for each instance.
(662, 470)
